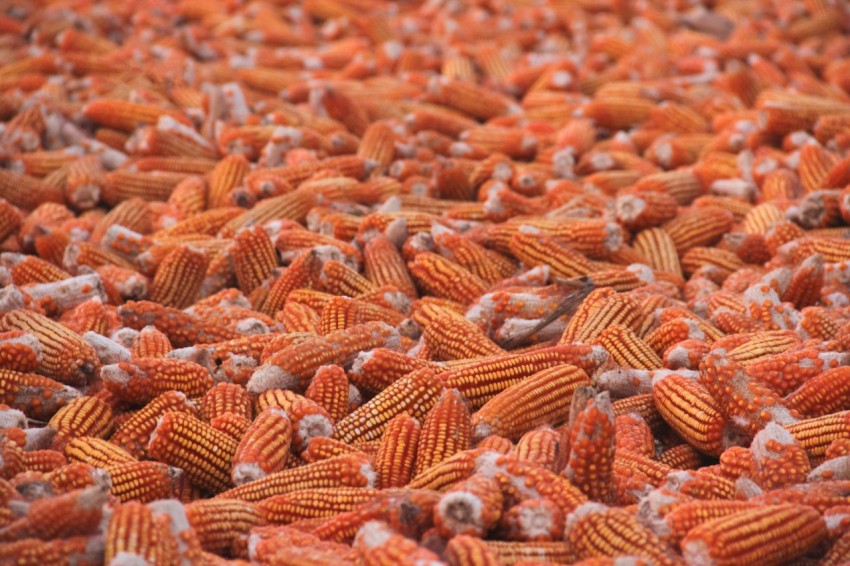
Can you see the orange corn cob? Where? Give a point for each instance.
(227, 175)
(313, 503)
(133, 533)
(816, 434)
(39, 397)
(179, 277)
(541, 446)
(65, 356)
(142, 379)
(134, 433)
(204, 453)
(182, 329)
(140, 481)
(767, 535)
(254, 258)
(218, 522)
(349, 470)
(96, 451)
(416, 394)
(445, 431)
(443, 278)
(309, 420)
(43, 460)
(820, 395)
(74, 513)
(397, 451)
(471, 507)
(225, 398)
(542, 398)
(329, 388)
(480, 381)
(616, 309)
(627, 349)
(691, 411)
(84, 416)
(324, 447)
(595, 531)
(452, 337)
(264, 448)
(660, 250)
(463, 550)
(533, 520)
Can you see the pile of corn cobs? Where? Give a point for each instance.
(463, 282)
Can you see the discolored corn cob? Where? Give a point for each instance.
(308, 419)
(533, 520)
(471, 507)
(183, 330)
(767, 535)
(295, 365)
(397, 452)
(204, 453)
(19, 351)
(541, 446)
(141, 380)
(74, 513)
(264, 448)
(592, 448)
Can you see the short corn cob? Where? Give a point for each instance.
(471, 507)
(592, 448)
(134, 433)
(218, 522)
(142, 379)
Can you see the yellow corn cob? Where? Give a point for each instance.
(43, 460)
(308, 419)
(204, 453)
(627, 349)
(616, 309)
(448, 472)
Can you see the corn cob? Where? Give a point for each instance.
(397, 452)
(264, 447)
(350, 470)
(217, 522)
(142, 379)
(204, 453)
(767, 535)
(416, 394)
